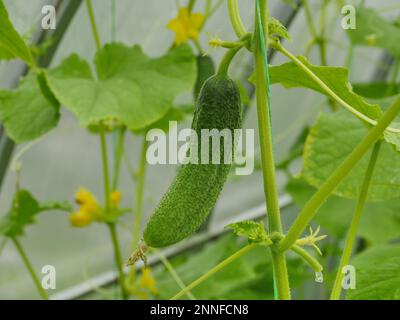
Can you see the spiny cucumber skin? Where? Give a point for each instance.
(205, 69)
(196, 188)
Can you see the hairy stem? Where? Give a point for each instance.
(119, 151)
(93, 23)
(352, 233)
(267, 156)
(311, 207)
(314, 264)
(214, 270)
(28, 265)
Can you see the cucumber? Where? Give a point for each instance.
(195, 190)
(205, 69)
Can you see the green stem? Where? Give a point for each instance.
(226, 61)
(309, 19)
(311, 207)
(174, 274)
(93, 23)
(139, 194)
(236, 20)
(106, 176)
(214, 270)
(267, 156)
(118, 260)
(327, 89)
(118, 157)
(28, 265)
(352, 233)
(191, 5)
(314, 264)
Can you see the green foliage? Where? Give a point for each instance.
(373, 30)
(196, 187)
(291, 76)
(249, 277)
(376, 90)
(23, 212)
(131, 87)
(332, 138)
(378, 274)
(253, 231)
(29, 111)
(11, 43)
(380, 222)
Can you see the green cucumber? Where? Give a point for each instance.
(205, 69)
(195, 190)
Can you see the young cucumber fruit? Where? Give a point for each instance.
(205, 69)
(195, 190)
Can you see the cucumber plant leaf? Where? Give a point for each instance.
(11, 43)
(377, 274)
(130, 86)
(253, 231)
(380, 221)
(23, 212)
(373, 30)
(332, 138)
(29, 111)
(290, 75)
(376, 90)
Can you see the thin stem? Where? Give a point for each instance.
(139, 194)
(328, 90)
(191, 5)
(118, 260)
(352, 233)
(106, 176)
(309, 19)
(267, 156)
(214, 270)
(93, 23)
(119, 150)
(174, 274)
(226, 61)
(236, 20)
(28, 265)
(314, 264)
(311, 207)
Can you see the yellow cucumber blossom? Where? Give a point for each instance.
(89, 209)
(115, 198)
(186, 25)
(147, 281)
(80, 218)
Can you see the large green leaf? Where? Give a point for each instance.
(331, 140)
(336, 78)
(30, 111)
(377, 274)
(23, 212)
(376, 90)
(131, 87)
(380, 222)
(11, 44)
(374, 30)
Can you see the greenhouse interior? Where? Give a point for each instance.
(104, 194)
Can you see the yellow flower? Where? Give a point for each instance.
(80, 218)
(83, 196)
(186, 25)
(147, 281)
(115, 198)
